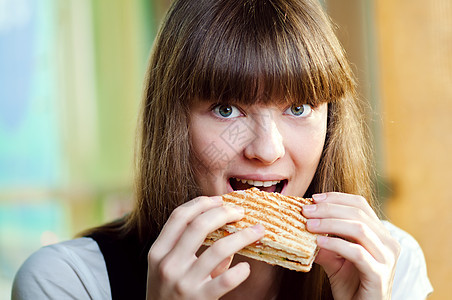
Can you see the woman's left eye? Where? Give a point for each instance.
(226, 111)
(299, 110)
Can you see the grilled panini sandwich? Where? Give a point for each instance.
(286, 243)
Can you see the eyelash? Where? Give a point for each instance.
(306, 108)
(215, 108)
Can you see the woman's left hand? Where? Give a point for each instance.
(358, 255)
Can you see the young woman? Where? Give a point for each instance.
(240, 94)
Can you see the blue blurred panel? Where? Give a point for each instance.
(29, 131)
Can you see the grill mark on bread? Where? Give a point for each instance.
(285, 243)
(290, 232)
(276, 204)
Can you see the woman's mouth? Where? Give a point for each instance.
(271, 186)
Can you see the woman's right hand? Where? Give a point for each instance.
(174, 270)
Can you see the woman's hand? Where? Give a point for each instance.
(174, 270)
(359, 255)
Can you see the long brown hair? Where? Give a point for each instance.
(244, 51)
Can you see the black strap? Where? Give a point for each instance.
(126, 262)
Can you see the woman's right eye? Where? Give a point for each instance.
(226, 111)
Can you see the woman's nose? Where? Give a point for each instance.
(267, 145)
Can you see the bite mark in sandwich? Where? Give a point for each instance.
(286, 242)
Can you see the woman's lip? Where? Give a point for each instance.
(260, 177)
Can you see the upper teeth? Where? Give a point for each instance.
(258, 182)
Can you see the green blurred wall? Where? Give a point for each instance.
(71, 78)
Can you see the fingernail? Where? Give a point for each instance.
(240, 209)
(258, 228)
(309, 208)
(313, 223)
(217, 199)
(322, 240)
(319, 197)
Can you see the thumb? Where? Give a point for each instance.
(222, 267)
(330, 261)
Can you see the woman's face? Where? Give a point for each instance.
(276, 148)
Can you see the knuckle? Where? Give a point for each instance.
(396, 248)
(324, 224)
(153, 257)
(199, 224)
(218, 248)
(227, 280)
(232, 211)
(203, 200)
(179, 212)
(333, 194)
(165, 271)
(328, 207)
(249, 233)
(361, 230)
(360, 214)
(388, 258)
(182, 289)
(229, 209)
(324, 207)
(361, 200)
(197, 200)
(358, 253)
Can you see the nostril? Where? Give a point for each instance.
(264, 151)
(267, 145)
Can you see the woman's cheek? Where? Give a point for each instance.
(213, 148)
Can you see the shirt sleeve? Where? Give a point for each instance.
(411, 279)
(70, 270)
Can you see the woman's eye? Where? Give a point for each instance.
(299, 110)
(226, 111)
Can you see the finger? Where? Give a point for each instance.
(332, 210)
(222, 249)
(178, 221)
(196, 232)
(226, 282)
(348, 200)
(329, 260)
(222, 267)
(355, 231)
(181, 257)
(354, 253)
(339, 211)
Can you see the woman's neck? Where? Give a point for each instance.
(262, 283)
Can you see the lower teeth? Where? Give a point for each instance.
(278, 186)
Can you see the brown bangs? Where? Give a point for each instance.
(261, 51)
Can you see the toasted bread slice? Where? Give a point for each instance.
(286, 242)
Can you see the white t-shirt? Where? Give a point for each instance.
(76, 269)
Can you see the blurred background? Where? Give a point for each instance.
(71, 75)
